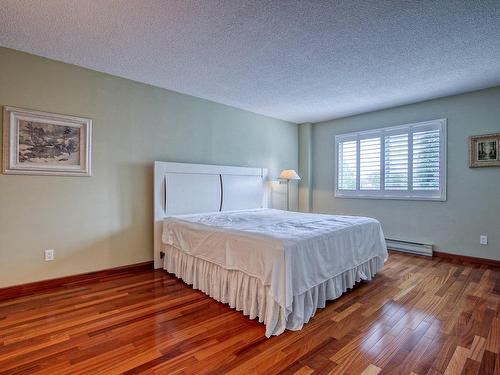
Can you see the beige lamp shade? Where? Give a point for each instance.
(289, 174)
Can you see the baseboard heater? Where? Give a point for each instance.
(409, 247)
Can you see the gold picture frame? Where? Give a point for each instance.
(484, 150)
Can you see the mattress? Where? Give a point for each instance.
(289, 253)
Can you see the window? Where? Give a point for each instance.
(401, 162)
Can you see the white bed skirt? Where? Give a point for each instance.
(247, 293)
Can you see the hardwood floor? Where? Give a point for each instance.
(418, 316)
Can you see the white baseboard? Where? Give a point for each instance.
(410, 247)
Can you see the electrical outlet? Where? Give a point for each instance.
(49, 255)
(483, 239)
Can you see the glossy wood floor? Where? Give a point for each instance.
(418, 316)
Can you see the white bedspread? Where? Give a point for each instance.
(289, 251)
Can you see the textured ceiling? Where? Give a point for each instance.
(302, 61)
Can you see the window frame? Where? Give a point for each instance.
(409, 194)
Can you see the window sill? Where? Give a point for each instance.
(391, 197)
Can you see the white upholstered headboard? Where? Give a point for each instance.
(181, 188)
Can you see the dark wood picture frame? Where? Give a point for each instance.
(484, 150)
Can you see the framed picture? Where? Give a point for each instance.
(40, 143)
(484, 150)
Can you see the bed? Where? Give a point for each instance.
(214, 231)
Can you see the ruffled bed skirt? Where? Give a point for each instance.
(247, 293)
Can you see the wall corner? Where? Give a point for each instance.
(305, 167)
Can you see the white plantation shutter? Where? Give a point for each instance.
(347, 165)
(369, 164)
(402, 162)
(396, 162)
(426, 145)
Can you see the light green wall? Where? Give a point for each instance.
(106, 220)
(473, 195)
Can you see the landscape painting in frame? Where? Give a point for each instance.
(45, 143)
(484, 150)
